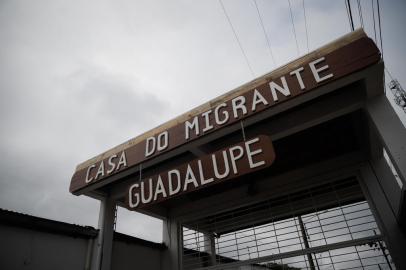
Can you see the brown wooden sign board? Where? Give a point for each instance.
(231, 162)
(298, 78)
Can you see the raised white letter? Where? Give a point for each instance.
(296, 72)
(258, 98)
(240, 105)
(111, 164)
(316, 71)
(226, 167)
(194, 124)
(100, 171)
(143, 199)
(162, 141)
(122, 161)
(234, 157)
(250, 154)
(130, 196)
(88, 173)
(202, 180)
(207, 121)
(190, 178)
(149, 152)
(171, 190)
(225, 113)
(159, 188)
(284, 90)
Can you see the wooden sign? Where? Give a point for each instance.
(234, 161)
(290, 81)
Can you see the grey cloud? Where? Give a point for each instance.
(114, 99)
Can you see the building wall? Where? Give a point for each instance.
(28, 242)
(135, 256)
(22, 248)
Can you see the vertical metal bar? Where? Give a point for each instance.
(383, 252)
(256, 242)
(273, 224)
(296, 227)
(236, 244)
(217, 240)
(321, 227)
(306, 243)
(346, 222)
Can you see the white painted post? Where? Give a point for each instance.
(104, 241)
(210, 247)
(391, 132)
(172, 238)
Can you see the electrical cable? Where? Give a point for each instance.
(237, 39)
(263, 29)
(304, 14)
(373, 18)
(348, 14)
(380, 28)
(351, 19)
(293, 27)
(361, 19)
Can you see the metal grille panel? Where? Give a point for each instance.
(327, 227)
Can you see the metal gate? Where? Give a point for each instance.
(326, 227)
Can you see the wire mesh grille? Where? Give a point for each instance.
(366, 256)
(325, 217)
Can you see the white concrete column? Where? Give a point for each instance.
(394, 237)
(172, 238)
(391, 131)
(104, 242)
(386, 130)
(210, 247)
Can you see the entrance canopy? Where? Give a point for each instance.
(304, 141)
(301, 114)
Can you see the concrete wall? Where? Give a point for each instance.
(28, 242)
(132, 253)
(22, 248)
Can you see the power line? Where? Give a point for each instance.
(263, 29)
(379, 23)
(307, 36)
(373, 18)
(236, 38)
(361, 19)
(350, 15)
(293, 24)
(399, 94)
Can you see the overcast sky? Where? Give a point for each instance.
(80, 77)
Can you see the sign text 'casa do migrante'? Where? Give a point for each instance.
(234, 161)
(298, 79)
